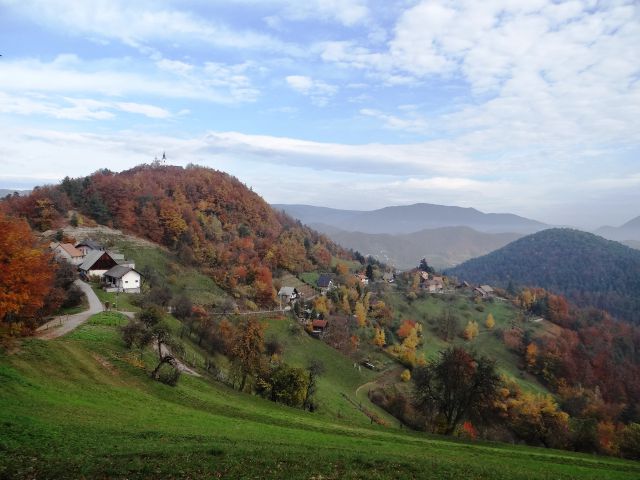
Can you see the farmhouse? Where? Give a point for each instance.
(362, 278)
(288, 294)
(122, 278)
(97, 263)
(66, 251)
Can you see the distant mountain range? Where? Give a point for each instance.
(628, 231)
(588, 269)
(442, 247)
(5, 191)
(402, 235)
(412, 218)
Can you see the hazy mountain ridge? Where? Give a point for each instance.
(412, 218)
(627, 231)
(442, 247)
(8, 191)
(588, 269)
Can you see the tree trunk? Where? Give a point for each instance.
(166, 359)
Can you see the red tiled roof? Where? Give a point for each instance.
(319, 323)
(71, 250)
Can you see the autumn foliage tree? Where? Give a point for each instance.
(246, 350)
(453, 387)
(26, 275)
(206, 217)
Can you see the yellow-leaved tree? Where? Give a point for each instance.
(379, 338)
(361, 314)
(471, 330)
(490, 322)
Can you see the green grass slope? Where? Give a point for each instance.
(80, 407)
(426, 310)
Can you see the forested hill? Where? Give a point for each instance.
(588, 269)
(207, 217)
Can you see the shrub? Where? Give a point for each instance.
(169, 375)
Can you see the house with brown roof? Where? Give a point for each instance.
(318, 326)
(67, 252)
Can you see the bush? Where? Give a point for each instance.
(169, 375)
(630, 441)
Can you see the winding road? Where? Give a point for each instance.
(63, 324)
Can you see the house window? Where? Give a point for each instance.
(126, 281)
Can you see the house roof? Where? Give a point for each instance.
(286, 291)
(324, 279)
(70, 249)
(319, 323)
(92, 244)
(91, 258)
(120, 271)
(486, 288)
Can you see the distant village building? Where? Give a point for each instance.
(122, 278)
(484, 291)
(388, 277)
(288, 294)
(434, 284)
(362, 278)
(318, 327)
(67, 252)
(325, 282)
(89, 245)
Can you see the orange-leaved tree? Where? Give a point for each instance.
(26, 273)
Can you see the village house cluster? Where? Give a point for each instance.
(110, 268)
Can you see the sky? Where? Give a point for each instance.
(523, 106)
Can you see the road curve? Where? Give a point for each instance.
(65, 323)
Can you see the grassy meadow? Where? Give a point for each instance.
(81, 406)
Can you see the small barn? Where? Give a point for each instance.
(122, 278)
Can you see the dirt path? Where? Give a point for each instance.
(179, 365)
(65, 323)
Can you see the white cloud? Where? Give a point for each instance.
(140, 23)
(75, 108)
(347, 12)
(548, 80)
(412, 123)
(213, 82)
(317, 90)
